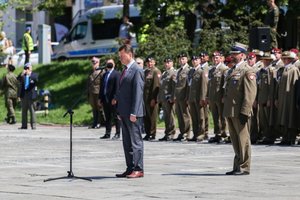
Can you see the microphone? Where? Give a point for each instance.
(100, 68)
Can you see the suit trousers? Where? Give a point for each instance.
(27, 104)
(169, 118)
(133, 143)
(198, 118)
(240, 139)
(111, 114)
(150, 119)
(216, 108)
(184, 119)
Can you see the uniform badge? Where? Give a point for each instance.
(251, 76)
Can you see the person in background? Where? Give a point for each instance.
(125, 31)
(28, 93)
(166, 98)
(10, 86)
(27, 44)
(271, 20)
(93, 85)
(108, 90)
(140, 62)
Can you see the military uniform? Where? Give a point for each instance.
(271, 20)
(286, 103)
(264, 79)
(240, 92)
(207, 67)
(151, 89)
(166, 98)
(198, 79)
(181, 106)
(93, 84)
(215, 95)
(10, 87)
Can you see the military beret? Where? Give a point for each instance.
(217, 53)
(168, 59)
(251, 55)
(276, 50)
(182, 54)
(149, 58)
(296, 51)
(194, 57)
(203, 53)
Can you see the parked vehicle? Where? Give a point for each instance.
(88, 37)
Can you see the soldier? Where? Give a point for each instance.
(204, 65)
(239, 96)
(278, 70)
(181, 92)
(264, 78)
(197, 81)
(271, 20)
(93, 85)
(253, 59)
(10, 86)
(296, 60)
(151, 89)
(166, 98)
(286, 99)
(215, 95)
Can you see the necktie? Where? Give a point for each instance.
(123, 73)
(26, 82)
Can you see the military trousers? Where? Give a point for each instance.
(169, 118)
(98, 112)
(216, 108)
(184, 119)
(150, 119)
(10, 104)
(198, 118)
(240, 139)
(28, 104)
(264, 118)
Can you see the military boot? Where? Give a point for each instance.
(13, 120)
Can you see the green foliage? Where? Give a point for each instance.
(161, 42)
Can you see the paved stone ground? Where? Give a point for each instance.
(173, 170)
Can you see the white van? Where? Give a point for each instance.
(88, 37)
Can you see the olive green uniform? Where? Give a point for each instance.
(166, 98)
(151, 89)
(239, 96)
(181, 106)
(94, 81)
(10, 87)
(215, 95)
(271, 20)
(206, 108)
(198, 79)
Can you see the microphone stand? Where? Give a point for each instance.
(70, 172)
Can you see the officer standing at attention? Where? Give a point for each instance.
(216, 78)
(28, 93)
(205, 65)
(27, 44)
(181, 93)
(151, 89)
(166, 98)
(93, 85)
(10, 86)
(240, 93)
(198, 79)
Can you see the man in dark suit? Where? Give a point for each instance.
(130, 107)
(28, 93)
(108, 90)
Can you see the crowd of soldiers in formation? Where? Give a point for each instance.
(190, 92)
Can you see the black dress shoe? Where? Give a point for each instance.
(230, 173)
(266, 141)
(106, 136)
(149, 137)
(165, 138)
(124, 174)
(215, 139)
(22, 127)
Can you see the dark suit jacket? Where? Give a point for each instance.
(130, 94)
(32, 89)
(112, 86)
